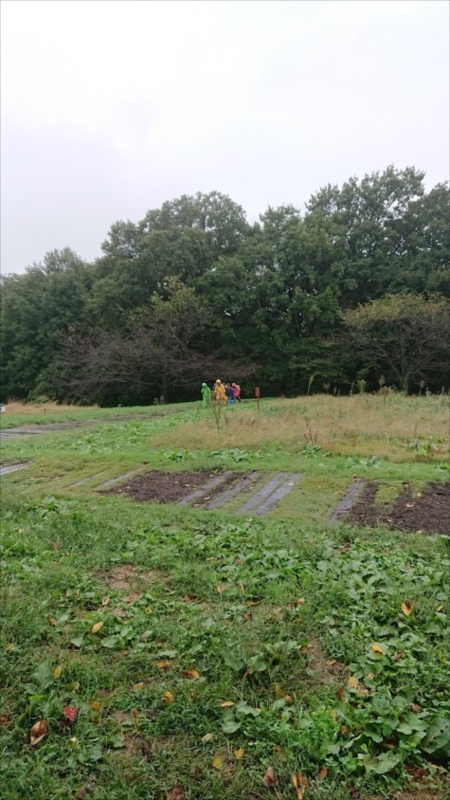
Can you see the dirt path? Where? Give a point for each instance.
(52, 427)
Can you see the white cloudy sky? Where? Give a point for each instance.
(109, 107)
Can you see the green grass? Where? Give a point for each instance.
(183, 590)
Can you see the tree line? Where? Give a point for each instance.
(355, 288)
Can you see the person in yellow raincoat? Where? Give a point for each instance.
(219, 392)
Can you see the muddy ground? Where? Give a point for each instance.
(171, 487)
(427, 513)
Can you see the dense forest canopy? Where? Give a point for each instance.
(296, 300)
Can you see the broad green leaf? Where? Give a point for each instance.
(438, 737)
(404, 728)
(230, 725)
(43, 674)
(111, 641)
(77, 641)
(246, 710)
(386, 763)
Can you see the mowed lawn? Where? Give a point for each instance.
(150, 651)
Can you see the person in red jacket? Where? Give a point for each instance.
(237, 392)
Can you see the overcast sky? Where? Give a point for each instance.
(110, 108)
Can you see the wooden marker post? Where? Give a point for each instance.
(257, 395)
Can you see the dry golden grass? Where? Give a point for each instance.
(17, 407)
(368, 425)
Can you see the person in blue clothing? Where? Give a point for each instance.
(229, 391)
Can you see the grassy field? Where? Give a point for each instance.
(179, 654)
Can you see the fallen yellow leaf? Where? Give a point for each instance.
(207, 737)
(238, 753)
(300, 784)
(164, 664)
(192, 674)
(279, 694)
(51, 621)
(38, 731)
(440, 608)
(96, 706)
(407, 608)
(57, 672)
(168, 697)
(98, 626)
(354, 683)
(138, 686)
(217, 763)
(227, 704)
(377, 648)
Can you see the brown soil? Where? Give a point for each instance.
(123, 717)
(420, 791)
(326, 670)
(134, 746)
(126, 577)
(170, 487)
(427, 513)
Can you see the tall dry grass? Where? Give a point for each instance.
(360, 424)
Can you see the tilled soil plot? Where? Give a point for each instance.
(429, 513)
(170, 487)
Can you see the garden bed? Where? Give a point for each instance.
(425, 512)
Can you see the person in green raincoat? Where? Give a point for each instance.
(206, 394)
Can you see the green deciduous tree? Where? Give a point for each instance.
(406, 337)
(381, 231)
(38, 308)
(217, 215)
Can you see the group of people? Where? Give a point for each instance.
(226, 393)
